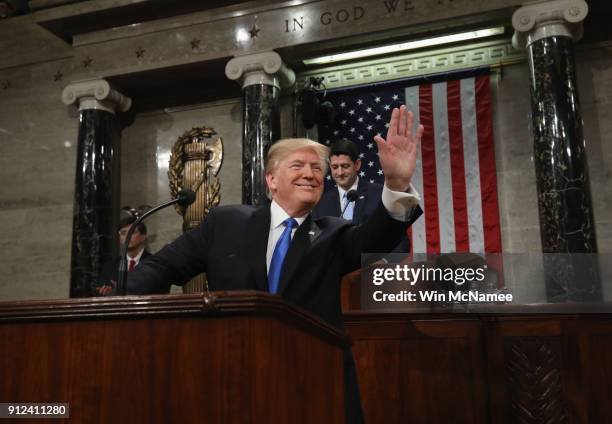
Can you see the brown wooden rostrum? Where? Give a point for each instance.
(240, 357)
(504, 367)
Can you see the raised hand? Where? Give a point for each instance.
(397, 154)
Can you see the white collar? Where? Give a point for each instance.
(135, 258)
(278, 215)
(342, 191)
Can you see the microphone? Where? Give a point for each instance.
(185, 197)
(351, 196)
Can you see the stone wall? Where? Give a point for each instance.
(38, 157)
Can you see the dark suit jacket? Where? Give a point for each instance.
(365, 205)
(370, 195)
(230, 246)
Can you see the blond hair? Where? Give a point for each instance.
(284, 147)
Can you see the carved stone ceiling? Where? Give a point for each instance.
(173, 47)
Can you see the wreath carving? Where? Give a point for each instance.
(213, 158)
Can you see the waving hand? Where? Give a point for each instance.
(397, 154)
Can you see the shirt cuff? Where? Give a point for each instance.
(399, 204)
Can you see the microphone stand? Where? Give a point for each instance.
(183, 198)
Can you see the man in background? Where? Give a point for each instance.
(136, 252)
(344, 165)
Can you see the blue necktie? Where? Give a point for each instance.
(348, 208)
(278, 257)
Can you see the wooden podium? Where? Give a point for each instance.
(221, 357)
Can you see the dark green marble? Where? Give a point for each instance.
(96, 199)
(564, 196)
(261, 127)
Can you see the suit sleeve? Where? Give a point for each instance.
(176, 263)
(374, 238)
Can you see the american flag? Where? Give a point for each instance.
(455, 174)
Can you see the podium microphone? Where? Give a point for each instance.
(185, 197)
(351, 196)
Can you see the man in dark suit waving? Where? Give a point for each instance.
(280, 248)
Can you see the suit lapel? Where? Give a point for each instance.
(258, 229)
(360, 202)
(335, 199)
(299, 246)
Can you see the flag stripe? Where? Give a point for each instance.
(455, 171)
(443, 175)
(472, 166)
(488, 178)
(430, 186)
(417, 230)
(457, 166)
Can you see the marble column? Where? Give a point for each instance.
(96, 192)
(262, 77)
(548, 30)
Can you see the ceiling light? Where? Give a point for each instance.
(410, 45)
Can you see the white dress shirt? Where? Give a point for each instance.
(135, 258)
(342, 192)
(399, 204)
(277, 217)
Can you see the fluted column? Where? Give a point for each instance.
(262, 77)
(548, 30)
(96, 193)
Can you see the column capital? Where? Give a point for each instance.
(549, 18)
(260, 68)
(95, 94)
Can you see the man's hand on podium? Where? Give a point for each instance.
(106, 289)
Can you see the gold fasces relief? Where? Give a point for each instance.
(195, 162)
